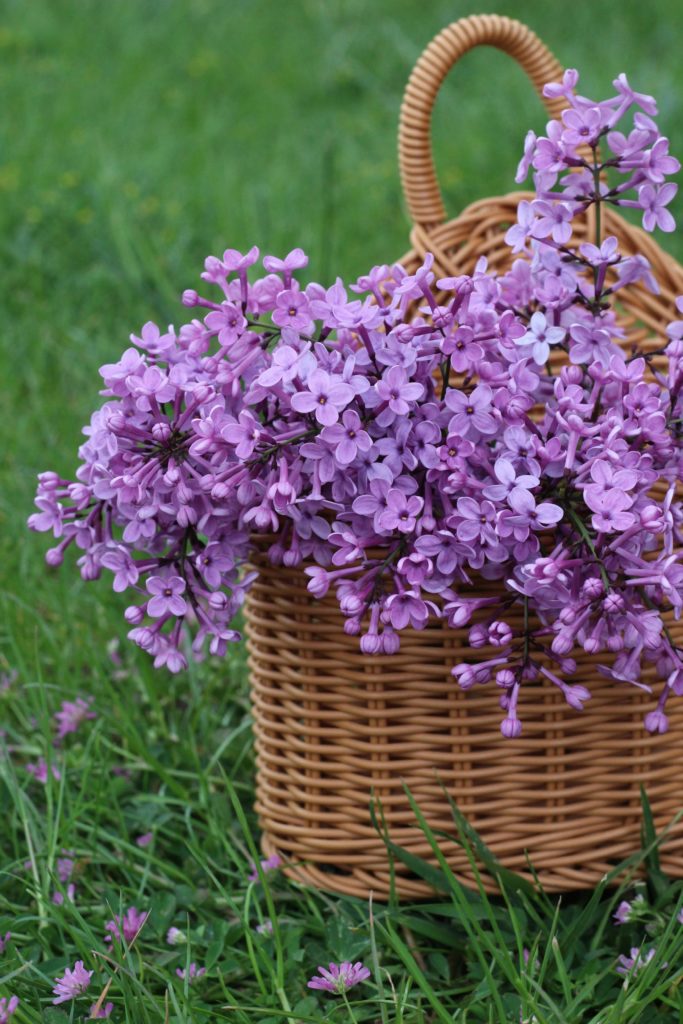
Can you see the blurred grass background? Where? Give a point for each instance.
(138, 136)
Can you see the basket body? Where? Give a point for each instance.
(335, 729)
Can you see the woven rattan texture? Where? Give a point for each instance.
(335, 728)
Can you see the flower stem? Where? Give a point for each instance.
(588, 540)
(348, 1006)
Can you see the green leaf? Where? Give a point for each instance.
(306, 1007)
(650, 843)
(470, 837)
(51, 1015)
(162, 909)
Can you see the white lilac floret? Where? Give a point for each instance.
(387, 435)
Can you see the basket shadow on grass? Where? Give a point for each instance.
(536, 959)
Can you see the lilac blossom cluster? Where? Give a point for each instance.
(406, 436)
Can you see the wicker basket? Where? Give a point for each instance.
(335, 729)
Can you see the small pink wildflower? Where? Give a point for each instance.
(8, 679)
(4, 942)
(127, 927)
(59, 897)
(175, 937)
(39, 771)
(269, 864)
(73, 984)
(679, 917)
(265, 928)
(103, 1012)
(8, 1008)
(65, 866)
(340, 977)
(193, 972)
(145, 839)
(634, 963)
(72, 714)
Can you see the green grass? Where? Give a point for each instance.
(138, 137)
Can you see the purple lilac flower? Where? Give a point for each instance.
(125, 927)
(339, 977)
(347, 437)
(390, 443)
(472, 412)
(73, 984)
(73, 714)
(327, 396)
(540, 336)
(654, 202)
(166, 599)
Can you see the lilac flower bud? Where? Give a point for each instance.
(186, 516)
(134, 614)
(530, 672)
(511, 728)
(143, 637)
(567, 615)
(391, 641)
(352, 626)
(319, 582)
(371, 643)
(571, 375)
(657, 721)
(220, 491)
(90, 570)
(49, 481)
(478, 636)
(576, 696)
(504, 700)
(563, 641)
(568, 666)
(217, 601)
(54, 557)
(292, 556)
(505, 677)
(652, 518)
(190, 298)
(276, 553)
(615, 642)
(499, 634)
(592, 588)
(161, 432)
(614, 603)
(465, 675)
(350, 603)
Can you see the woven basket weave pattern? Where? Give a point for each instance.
(335, 729)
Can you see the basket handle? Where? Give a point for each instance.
(418, 176)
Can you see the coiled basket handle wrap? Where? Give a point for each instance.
(418, 176)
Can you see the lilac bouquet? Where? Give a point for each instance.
(406, 436)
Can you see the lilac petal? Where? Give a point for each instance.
(304, 401)
(346, 452)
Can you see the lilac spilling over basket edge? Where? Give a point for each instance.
(394, 441)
